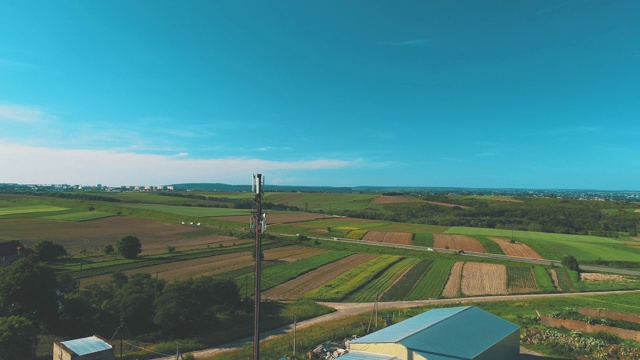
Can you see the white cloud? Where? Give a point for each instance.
(40, 165)
(21, 114)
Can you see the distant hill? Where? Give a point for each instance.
(330, 189)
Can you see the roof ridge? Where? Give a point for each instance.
(462, 309)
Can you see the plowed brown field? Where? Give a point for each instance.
(93, 235)
(484, 279)
(517, 249)
(215, 265)
(457, 242)
(296, 288)
(392, 237)
(452, 288)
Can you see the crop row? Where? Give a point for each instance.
(403, 287)
(353, 279)
(382, 282)
(520, 279)
(431, 284)
(286, 271)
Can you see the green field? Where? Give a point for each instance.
(554, 246)
(13, 210)
(284, 272)
(432, 283)
(191, 211)
(79, 216)
(378, 285)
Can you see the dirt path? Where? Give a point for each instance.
(352, 309)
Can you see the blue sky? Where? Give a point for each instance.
(528, 94)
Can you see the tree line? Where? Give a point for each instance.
(566, 216)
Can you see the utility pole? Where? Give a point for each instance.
(294, 336)
(258, 224)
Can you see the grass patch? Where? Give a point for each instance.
(79, 216)
(543, 279)
(14, 210)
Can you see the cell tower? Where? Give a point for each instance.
(259, 225)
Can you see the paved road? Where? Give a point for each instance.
(351, 309)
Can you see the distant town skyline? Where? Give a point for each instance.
(528, 94)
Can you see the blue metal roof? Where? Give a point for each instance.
(366, 356)
(86, 345)
(406, 328)
(460, 332)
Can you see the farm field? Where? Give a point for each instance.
(328, 202)
(14, 210)
(216, 265)
(553, 246)
(457, 242)
(389, 237)
(95, 234)
(298, 287)
(483, 279)
(279, 217)
(79, 216)
(383, 200)
(190, 211)
(516, 249)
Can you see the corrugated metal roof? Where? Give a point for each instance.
(406, 328)
(86, 345)
(467, 334)
(356, 355)
(459, 332)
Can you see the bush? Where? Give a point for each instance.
(571, 262)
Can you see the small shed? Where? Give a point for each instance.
(441, 334)
(89, 348)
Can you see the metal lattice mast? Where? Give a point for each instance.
(258, 224)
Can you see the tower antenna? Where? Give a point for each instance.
(259, 225)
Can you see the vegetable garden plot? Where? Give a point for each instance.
(521, 279)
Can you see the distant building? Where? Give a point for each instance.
(10, 251)
(441, 334)
(89, 348)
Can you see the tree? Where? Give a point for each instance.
(46, 250)
(108, 249)
(28, 288)
(187, 306)
(571, 262)
(129, 246)
(18, 336)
